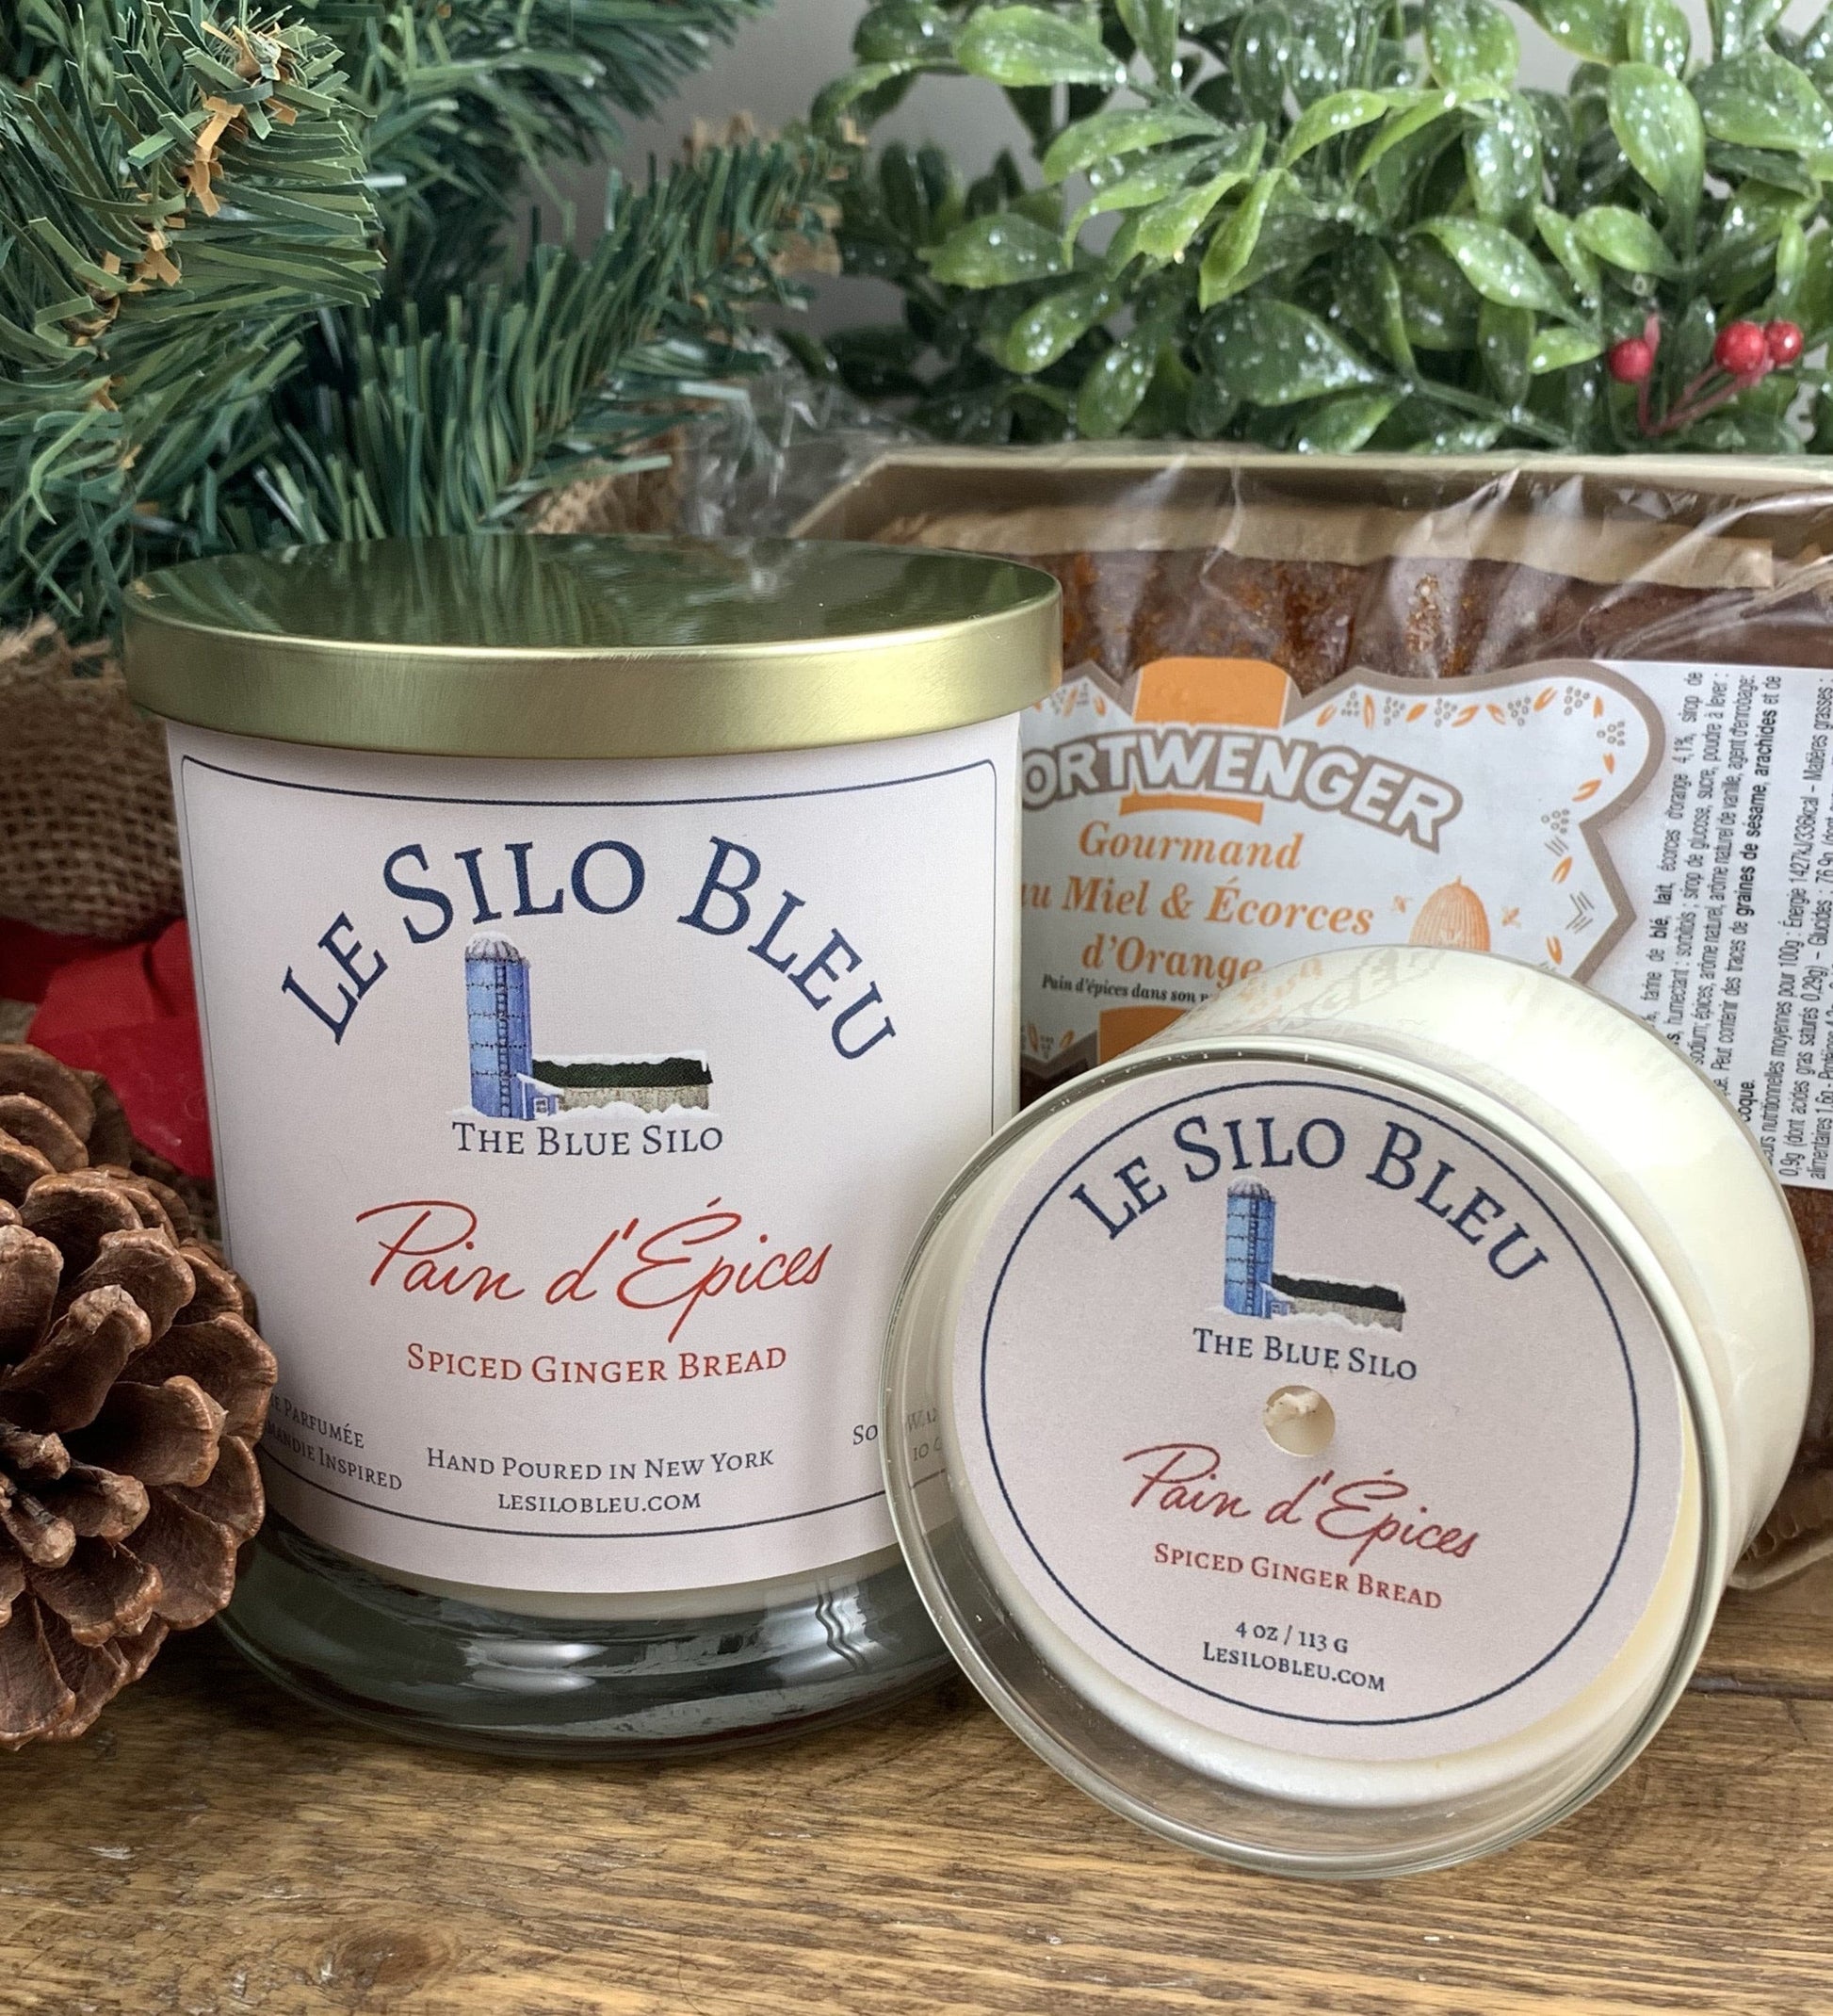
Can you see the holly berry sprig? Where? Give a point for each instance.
(1744, 353)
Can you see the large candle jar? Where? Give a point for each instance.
(604, 953)
(1324, 1433)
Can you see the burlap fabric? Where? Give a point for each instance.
(650, 500)
(88, 842)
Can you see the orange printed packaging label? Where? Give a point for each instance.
(1661, 830)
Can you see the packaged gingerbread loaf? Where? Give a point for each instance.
(1578, 712)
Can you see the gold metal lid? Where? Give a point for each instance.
(513, 644)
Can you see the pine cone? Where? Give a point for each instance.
(132, 1391)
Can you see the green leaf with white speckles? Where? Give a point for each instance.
(1468, 39)
(1260, 58)
(1558, 349)
(1233, 245)
(1372, 294)
(1439, 309)
(1110, 396)
(1345, 424)
(1164, 174)
(1270, 353)
(1327, 119)
(1153, 25)
(1165, 230)
(1624, 238)
(1108, 136)
(1504, 341)
(902, 31)
(1502, 156)
(1597, 29)
(1812, 306)
(1027, 45)
(1497, 264)
(1657, 33)
(1657, 123)
(1760, 99)
(1791, 268)
(1416, 111)
(1160, 176)
(996, 251)
(846, 90)
(1052, 327)
(1563, 240)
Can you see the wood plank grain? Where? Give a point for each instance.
(215, 1850)
(1776, 1640)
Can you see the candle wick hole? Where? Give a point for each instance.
(1299, 1421)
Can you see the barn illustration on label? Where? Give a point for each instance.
(1252, 1285)
(509, 1082)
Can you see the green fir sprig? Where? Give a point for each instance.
(468, 105)
(257, 282)
(412, 424)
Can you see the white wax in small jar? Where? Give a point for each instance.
(1667, 1171)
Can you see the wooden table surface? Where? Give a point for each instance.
(212, 1849)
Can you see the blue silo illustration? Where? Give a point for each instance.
(1247, 1270)
(496, 1007)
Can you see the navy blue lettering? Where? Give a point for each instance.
(1501, 1246)
(346, 957)
(1338, 1144)
(416, 892)
(1428, 1199)
(724, 851)
(525, 902)
(763, 947)
(878, 1035)
(1141, 1188)
(1142, 1193)
(1481, 1212)
(822, 963)
(1115, 1226)
(1187, 1134)
(1268, 1159)
(1394, 1157)
(469, 856)
(633, 866)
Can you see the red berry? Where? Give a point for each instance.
(1632, 361)
(1741, 349)
(1784, 342)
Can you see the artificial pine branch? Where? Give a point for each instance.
(179, 196)
(467, 103)
(415, 426)
(252, 277)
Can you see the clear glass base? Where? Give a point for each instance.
(437, 1669)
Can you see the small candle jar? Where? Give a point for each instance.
(604, 953)
(1324, 1433)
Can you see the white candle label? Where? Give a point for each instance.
(1316, 1414)
(1661, 831)
(574, 1121)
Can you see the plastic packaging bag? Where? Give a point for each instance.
(1576, 713)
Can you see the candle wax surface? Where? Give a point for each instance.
(1104, 1326)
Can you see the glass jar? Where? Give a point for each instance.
(1324, 1433)
(606, 951)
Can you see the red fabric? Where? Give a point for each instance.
(30, 956)
(129, 1012)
